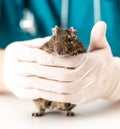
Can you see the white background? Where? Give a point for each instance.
(16, 114)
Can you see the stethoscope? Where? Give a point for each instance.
(65, 8)
(27, 23)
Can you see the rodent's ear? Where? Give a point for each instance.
(73, 31)
(54, 30)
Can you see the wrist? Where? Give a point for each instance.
(3, 89)
(114, 89)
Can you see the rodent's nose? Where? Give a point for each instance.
(59, 50)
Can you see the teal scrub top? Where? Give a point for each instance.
(47, 14)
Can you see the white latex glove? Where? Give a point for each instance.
(32, 73)
(29, 72)
(97, 76)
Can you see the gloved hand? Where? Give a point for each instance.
(98, 75)
(28, 71)
(32, 73)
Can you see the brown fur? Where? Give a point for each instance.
(63, 43)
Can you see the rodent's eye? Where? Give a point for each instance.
(69, 39)
(54, 37)
(74, 37)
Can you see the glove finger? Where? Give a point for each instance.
(69, 62)
(48, 72)
(82, 96)
(51, 85)
(54, 73)
(39, 83)
(35, 94)
(25, 53)
(79, 85)
(36, 43)
(81, 73)
(32, 93)
(98, 39)
(56, 79)
(83, 82)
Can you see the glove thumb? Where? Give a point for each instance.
(98, 38)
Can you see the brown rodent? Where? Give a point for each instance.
(63, 43)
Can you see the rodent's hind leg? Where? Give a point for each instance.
(38, 114)
(66, 108)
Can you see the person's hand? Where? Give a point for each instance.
(30, 72)
(97, 76)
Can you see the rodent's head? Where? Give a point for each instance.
(64, 42)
